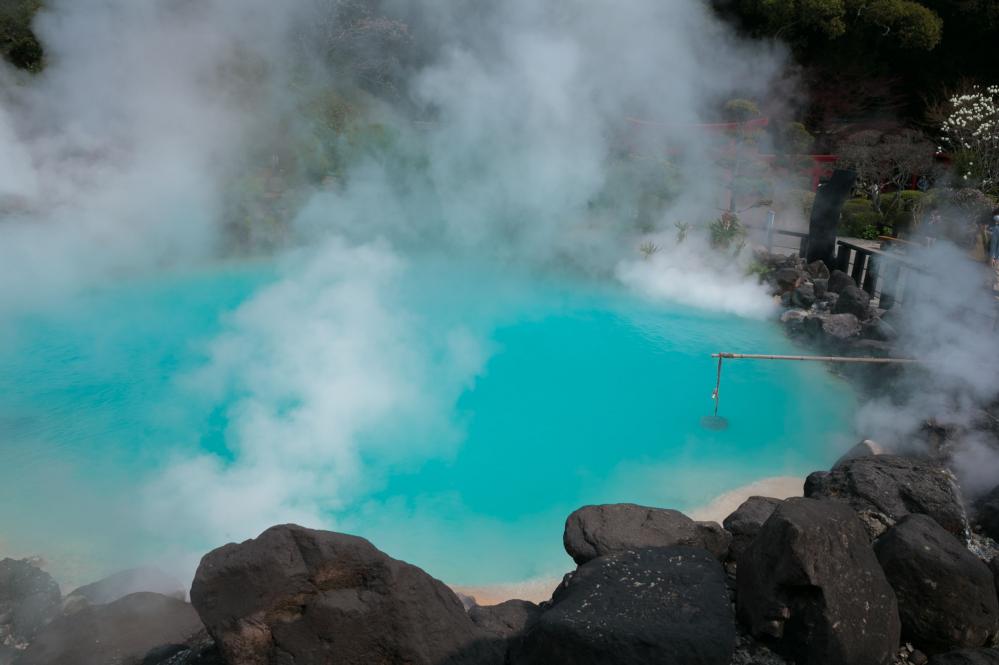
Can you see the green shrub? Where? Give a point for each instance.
(859, 219)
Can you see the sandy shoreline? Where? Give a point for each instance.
(538, 590)
(72, 573)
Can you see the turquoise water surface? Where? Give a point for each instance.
(586, 394)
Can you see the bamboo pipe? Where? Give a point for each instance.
(834, 359)
(716, 396)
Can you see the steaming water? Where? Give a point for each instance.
(588, 395)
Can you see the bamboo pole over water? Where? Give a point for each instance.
(715, 422)
(833, 359)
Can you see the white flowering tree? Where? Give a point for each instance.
(971, 131)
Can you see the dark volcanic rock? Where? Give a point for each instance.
(946, 595)
(886, 488)
(837, 329)
(200, 649)
(879, 330)
(29, 599)
(656, 605)
(987, 514)
(506, 619)
(593, 531)
(817, 270)
(853, 300)
(820, 287)
(127, 582)
(803, 296)
(865, 448)
(839, 280)
(119, 633)
(296, 595)
(787, 279)
(967, 657)
(810, 581)
(746, 521)
(794, 321)
(994, 567)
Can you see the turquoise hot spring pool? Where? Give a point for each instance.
(578, 392)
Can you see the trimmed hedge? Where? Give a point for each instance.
(859, 219)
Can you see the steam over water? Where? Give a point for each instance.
(135, 425)
(374, 266)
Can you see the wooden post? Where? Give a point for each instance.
(859, 263)
(829, 202)
(843, 257)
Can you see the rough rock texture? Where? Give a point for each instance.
(654, 605)
(967, 657)
(787, 279)
(200, 649)
(879, 330)
(127, 582)
(838, 328)
(29, 599)
(810, 581)
(746, 521)
(994, 567)
(886, 488)
(853, 300)
(750, 652)
(803, 296)
(839, 280)
(506, 619)
(119, 633)
(987, 514)
(306, 597)
(593, 531)
(865, 448)
(817, 270)
(946, 595)
(794, 321)
(820, 287)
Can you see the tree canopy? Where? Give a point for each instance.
(902, 23)
(18, 43)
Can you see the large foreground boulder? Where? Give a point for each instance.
(967, 657)
(127, 582)
(306, 597)
(810, 582)
(120, 633)
(946, 595)
(656, 605)
(885, 488)
(29, 599)
(746, 522)
(594, 531)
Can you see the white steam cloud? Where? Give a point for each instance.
(119, 158)
(947, 322)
